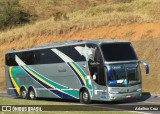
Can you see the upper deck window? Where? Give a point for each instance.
(118, 52)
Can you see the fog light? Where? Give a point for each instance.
(112, 97)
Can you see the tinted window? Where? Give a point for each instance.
(71, 52)
(118, 52)
(96, 66)
(10, 60)
(46, 56)
(27, 57)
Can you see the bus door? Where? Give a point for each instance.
(96, 65)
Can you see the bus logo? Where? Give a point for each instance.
(6, 108)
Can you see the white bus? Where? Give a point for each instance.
(103, 70)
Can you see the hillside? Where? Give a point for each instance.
(134, 20)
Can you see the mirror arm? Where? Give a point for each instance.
(109, 71)
(146, 66)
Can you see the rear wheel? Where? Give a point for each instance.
(31, 94)
(23, 93)
(85, 97)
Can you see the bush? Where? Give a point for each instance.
(11, 14)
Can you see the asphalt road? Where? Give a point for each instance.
(145, 102)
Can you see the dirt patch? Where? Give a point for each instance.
(131, 32)
(2, 79)
(149, 50)
(144, 37)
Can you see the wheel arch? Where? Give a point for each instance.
(23, 86)
(82, 89)
(32, 87)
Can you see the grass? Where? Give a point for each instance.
(44, 9)
(118, 16)
(12, 101)
(50, 27)
(71, 112)
(105, 14)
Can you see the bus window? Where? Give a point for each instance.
(71, 52)
(27, 57)
(10, 60)
(47, 56)
(118, 52)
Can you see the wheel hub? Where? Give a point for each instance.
(85, 96)
(24, 94)
(31, 95)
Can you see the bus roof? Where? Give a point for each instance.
(67, 43)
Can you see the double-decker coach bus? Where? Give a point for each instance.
(103, 70)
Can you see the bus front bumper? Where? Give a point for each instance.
(115, 97)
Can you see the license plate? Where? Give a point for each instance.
(128, 96)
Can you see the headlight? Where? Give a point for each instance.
(113, 92)
(139, 89)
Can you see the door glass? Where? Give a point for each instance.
(96, 65)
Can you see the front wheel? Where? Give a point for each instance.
(31, 94)
(85, 97)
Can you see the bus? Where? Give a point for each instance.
(86, 70)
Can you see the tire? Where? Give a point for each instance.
(85, 97)
(23, 93)
(115, 102)
(31, 94)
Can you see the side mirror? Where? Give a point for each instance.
(109, 75)
(146, 66)
(109, 71)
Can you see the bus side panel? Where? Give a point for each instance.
(16, 77)
(28, 79)
(100, 92)
(59, 76)
(11, 90)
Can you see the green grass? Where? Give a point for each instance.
(12, 101)
(75, 17)
(70, 112)
(17, 101)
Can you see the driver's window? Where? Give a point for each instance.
(98, 56)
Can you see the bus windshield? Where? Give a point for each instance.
(118, 52)
(125, 74)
